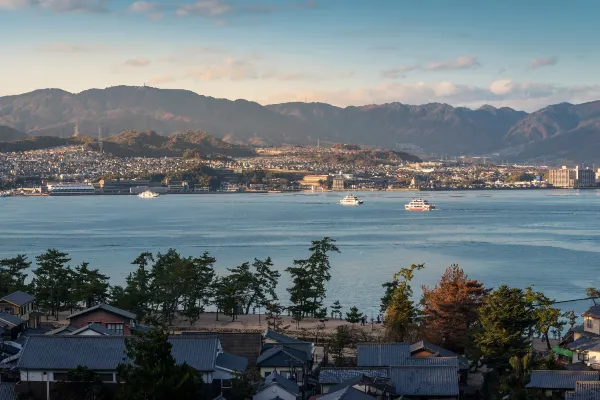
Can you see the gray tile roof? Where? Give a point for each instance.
(275, 378)
(348, 393)
(107, 308)
(281, 356)
(7, 391)
(425, 380)
(584, 391)
(585, 343)
(63, 330)
(333, 376)
(302, 346)
(96, 328)
(280, 337)
(18, 298)
(62, 352)
(438, 351)
(11, 320)
(232, 362)
(381, 354)
(423, 361)
(593, 311)
(547, 379)
(382, 384)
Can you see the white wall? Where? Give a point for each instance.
(272, 392)
(89, 332)
(595, 325)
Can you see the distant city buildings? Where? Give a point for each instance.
(569, 178)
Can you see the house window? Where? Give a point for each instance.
(117, 328)
(590, 323)
(583, 357)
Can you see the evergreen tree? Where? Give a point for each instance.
(451, 308)
(230, 295)
(273, 316)
(401, 311)
(390, 288)
(149, 370)
(506, 322)
(136, 296)
(514, 383)
(546, 317)
(167, 284)
(309, 277)
(353, 316)
(243, 385)
(90, 286)
(197, 290)
(12, 275)
(263, 284)
(52, 281)
(336, 309)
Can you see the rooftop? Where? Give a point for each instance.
(10, 320)
(550, 379)
(382, 354)
(348, 393)
(275, 378)
(282, 356)
(107, 308)
(425, 380)
(18, 298)
(332, 376)
(584, 391)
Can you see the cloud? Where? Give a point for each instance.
(465, 62)
(72, 48)
(144, 7)
(542, 62)
(137, 62)
(205, 8)
(394, 73)
(59, 6)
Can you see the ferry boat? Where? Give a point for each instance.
(148, 195)
(419, 205)
(350, 200)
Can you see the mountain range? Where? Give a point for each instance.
(561, 131)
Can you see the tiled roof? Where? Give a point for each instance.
(18, 298)
(381, 354)
(7, 391)
(547, 379)
(281, 356)
(425, 380)
(107, 308)
(96, 328)
(280, 337)
(593, 311)
(439, 351)
(382, 384)
(332, 376)
(107, 352)
(585, 343)
(584, 391)
(423, 361)
(11, 320)
(232, 362)
(302, 346)
(348, 393)
(275, 378)
(8, 349)
(63, 330)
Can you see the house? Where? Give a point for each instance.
(348, 393)
(274, 339)
(246, 345)
(276, 386)
(286, 361)
(103, 354)
(381, 387)
(331, 377)
(584, 391)
(112, 318)
(424, 348)
(22, 305)
(584, 346)
(381, 354)
(555, 382)
(12, 326)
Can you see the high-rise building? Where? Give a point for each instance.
(568, 178)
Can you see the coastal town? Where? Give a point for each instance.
(74, 170)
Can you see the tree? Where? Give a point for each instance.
(52, 281)
(273, 316)
(263, 283)
(309, 277)
(514, 383)
(401, 311)
(354, 316)
(243, 385)
(12, 275)
(339, 341)
(336, 309)
(229, 295)
(136, 296)
(82, 384)
(451, 308)
(505, 321)
(167, 283)
(90, 286)
(390, 288)
(198, 277)
(149, 370)
(546, 317)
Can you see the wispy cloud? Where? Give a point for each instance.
(464, 62)
(72, 48)
(542, 62)
(137, 62)
(65, 6)
(14, 4)
(394, 73)
(160, 80)
(205, 8)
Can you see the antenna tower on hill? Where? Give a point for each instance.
(76, 129)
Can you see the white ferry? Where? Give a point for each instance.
(148, 195)
(419, 205)
(351, 200)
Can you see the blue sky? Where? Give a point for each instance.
(522, 54)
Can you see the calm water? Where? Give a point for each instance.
(547, 238)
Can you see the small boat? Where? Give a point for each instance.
(419, 205)
(351, 200)
(148, 194)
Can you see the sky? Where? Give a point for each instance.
(520, 54)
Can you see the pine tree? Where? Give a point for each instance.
(336, 309)
(401, 312)
(273, 316)
(89, 285)
(354, 316)
(546, 317)
(12, 277)
(52, 281)
(451, 308)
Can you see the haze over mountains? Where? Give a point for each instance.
(561, 131)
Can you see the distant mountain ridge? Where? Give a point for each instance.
(437, 128)
(8, 134)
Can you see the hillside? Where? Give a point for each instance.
(41, 142)
(436, 128)
(8, 134)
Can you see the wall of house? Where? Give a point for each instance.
(593, 357)
(89, 332)
(272, 392)
(20, 311)
(38, 376)
(595, 325)
(103, 318)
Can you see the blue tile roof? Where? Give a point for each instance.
(61, 352)
(584, 391)
(18, 298)
(550, 379)
(425, 380)
(280, 337)
(10, 319)
(63, 330)
(107, 308)
(382, 354)
(275, 378)
(585, 343)
(438, 351)
(7, 391)
(282, 356)
(96, 328)
(424, 361)
(333, 376)
(231, 362)
(348, 393)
